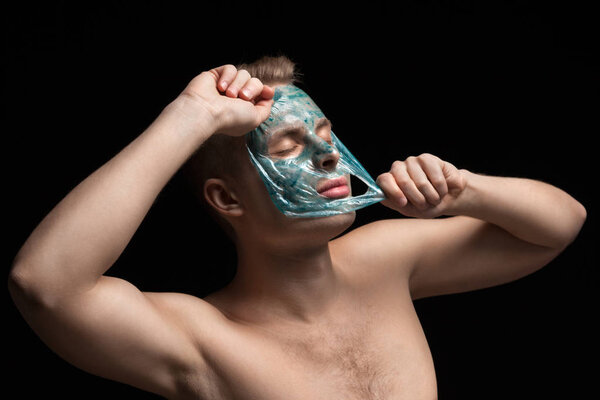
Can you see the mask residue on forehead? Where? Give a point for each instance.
(291, 182)
(291, 105)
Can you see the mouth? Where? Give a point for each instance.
(334, 188)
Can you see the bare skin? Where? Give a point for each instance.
(305, 316)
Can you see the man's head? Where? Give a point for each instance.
(305, 167)
(226, 182)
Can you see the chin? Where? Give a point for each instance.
(299, 233)
(326, 228)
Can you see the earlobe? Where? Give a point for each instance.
(220, 196)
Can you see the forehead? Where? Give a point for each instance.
(292, 105)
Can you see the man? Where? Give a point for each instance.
(305, 317)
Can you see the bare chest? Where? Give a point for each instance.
(380, 354)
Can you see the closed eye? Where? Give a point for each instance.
(284, 152)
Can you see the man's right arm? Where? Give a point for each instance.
(105, 325)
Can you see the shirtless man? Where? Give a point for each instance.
(305, 317)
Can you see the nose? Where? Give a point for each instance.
(325, 156)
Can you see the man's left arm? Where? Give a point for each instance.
(500, 229)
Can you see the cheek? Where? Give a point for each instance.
(251, 183)
(253, 193)
(294, 175)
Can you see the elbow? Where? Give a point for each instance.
(20, 285)
(26, 291)
(579, 219)
(582, 214)
(579, 215)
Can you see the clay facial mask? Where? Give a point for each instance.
(304, 166)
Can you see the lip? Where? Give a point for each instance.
(334, 188)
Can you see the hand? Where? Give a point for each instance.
(422, 187)
(235, 101)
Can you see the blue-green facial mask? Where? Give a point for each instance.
(298, 159)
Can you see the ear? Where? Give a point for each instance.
(222, 198)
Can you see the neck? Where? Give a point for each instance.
(297, 285)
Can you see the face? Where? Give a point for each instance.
(303, 165)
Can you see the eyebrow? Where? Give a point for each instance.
(296, 127)
(286, 130)
(322, 123)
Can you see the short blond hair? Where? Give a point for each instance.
(273, 70)
(213, 159)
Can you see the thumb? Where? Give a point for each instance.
(265, 101)
(263, 108)
(454, 178)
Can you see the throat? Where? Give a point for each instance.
(301, 288)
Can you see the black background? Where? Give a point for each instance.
(498, 87)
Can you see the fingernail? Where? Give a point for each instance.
(231, 92)
(224, 85)
(246, 93)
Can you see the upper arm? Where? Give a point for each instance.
(118, 332)
(449, 255)
(460, 254)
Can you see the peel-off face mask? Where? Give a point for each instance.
(306, 175)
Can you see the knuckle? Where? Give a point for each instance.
(229, 69)
(243, 72)
(397, 165)
(437, 179)
(421, 185)
(420, 203)
(255, 82)
(210, 72)
(438, 182)
(398, 198)
(386, 176)
(403, 180)
(394, 192)
(428, 157)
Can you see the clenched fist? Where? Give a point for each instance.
(423, 187)
(236, 102)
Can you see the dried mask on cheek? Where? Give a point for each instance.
(292, 181)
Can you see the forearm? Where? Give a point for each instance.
(531, 210)
(88, 230)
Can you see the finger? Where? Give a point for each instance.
(264, 103)
(252, 89)
(225, 75)
(388, 184)
(418, 176)
(239, 81)
(432, 166)
(268, 92)
(263, 107)
(407, 185)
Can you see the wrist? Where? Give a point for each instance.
(466, 201)
(191, 117)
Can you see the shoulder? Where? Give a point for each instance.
(390, 247)
(406, 236)
(378, 250)
(373, 241)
